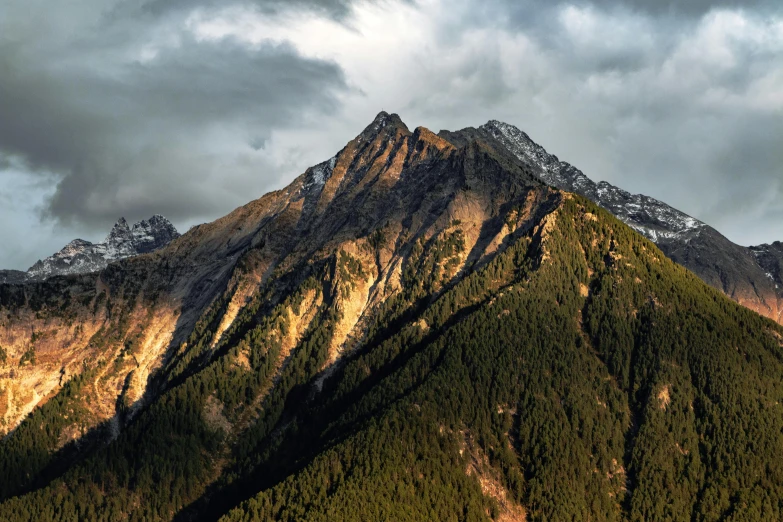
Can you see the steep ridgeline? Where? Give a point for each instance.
(82, 257)
(415, 329)
(738, 271)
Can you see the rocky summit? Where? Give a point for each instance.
(421, 327)
(81, 257)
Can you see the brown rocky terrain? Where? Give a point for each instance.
(133, 318)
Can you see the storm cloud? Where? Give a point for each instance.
(190, 108)
(135, 115)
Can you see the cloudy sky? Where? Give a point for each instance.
(190, 108)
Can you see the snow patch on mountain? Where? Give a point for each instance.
(320, 173)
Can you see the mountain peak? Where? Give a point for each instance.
(505, 127)
(119, 231)
(156, 221)
(498, 123)
(80, 256)
(425, 142)
(383, 123)
(153, 233)
(381, 116)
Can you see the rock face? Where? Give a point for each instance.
(749, 275)
(770, 258)
(82, 257)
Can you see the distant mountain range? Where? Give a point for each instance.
(82, 257)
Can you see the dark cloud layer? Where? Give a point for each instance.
(689, 7)
(336, 8)
(527, 11)
(137, 117)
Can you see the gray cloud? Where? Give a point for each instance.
(336, 8)
(137, 117)
(677, 7)
(531, 13)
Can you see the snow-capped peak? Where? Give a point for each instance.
(80, 256)
(647, 215)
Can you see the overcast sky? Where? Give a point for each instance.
(190, 108)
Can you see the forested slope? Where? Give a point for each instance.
(652, 397)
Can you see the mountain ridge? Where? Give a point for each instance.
(418, 328)
(81, 256)
(732, 268)
(749, 275)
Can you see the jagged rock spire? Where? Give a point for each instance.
(79, 256)
(383, 122)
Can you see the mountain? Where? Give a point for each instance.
(81, 257)
(770, 259)
(738, 271)
(418, 328)
(12, 276)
